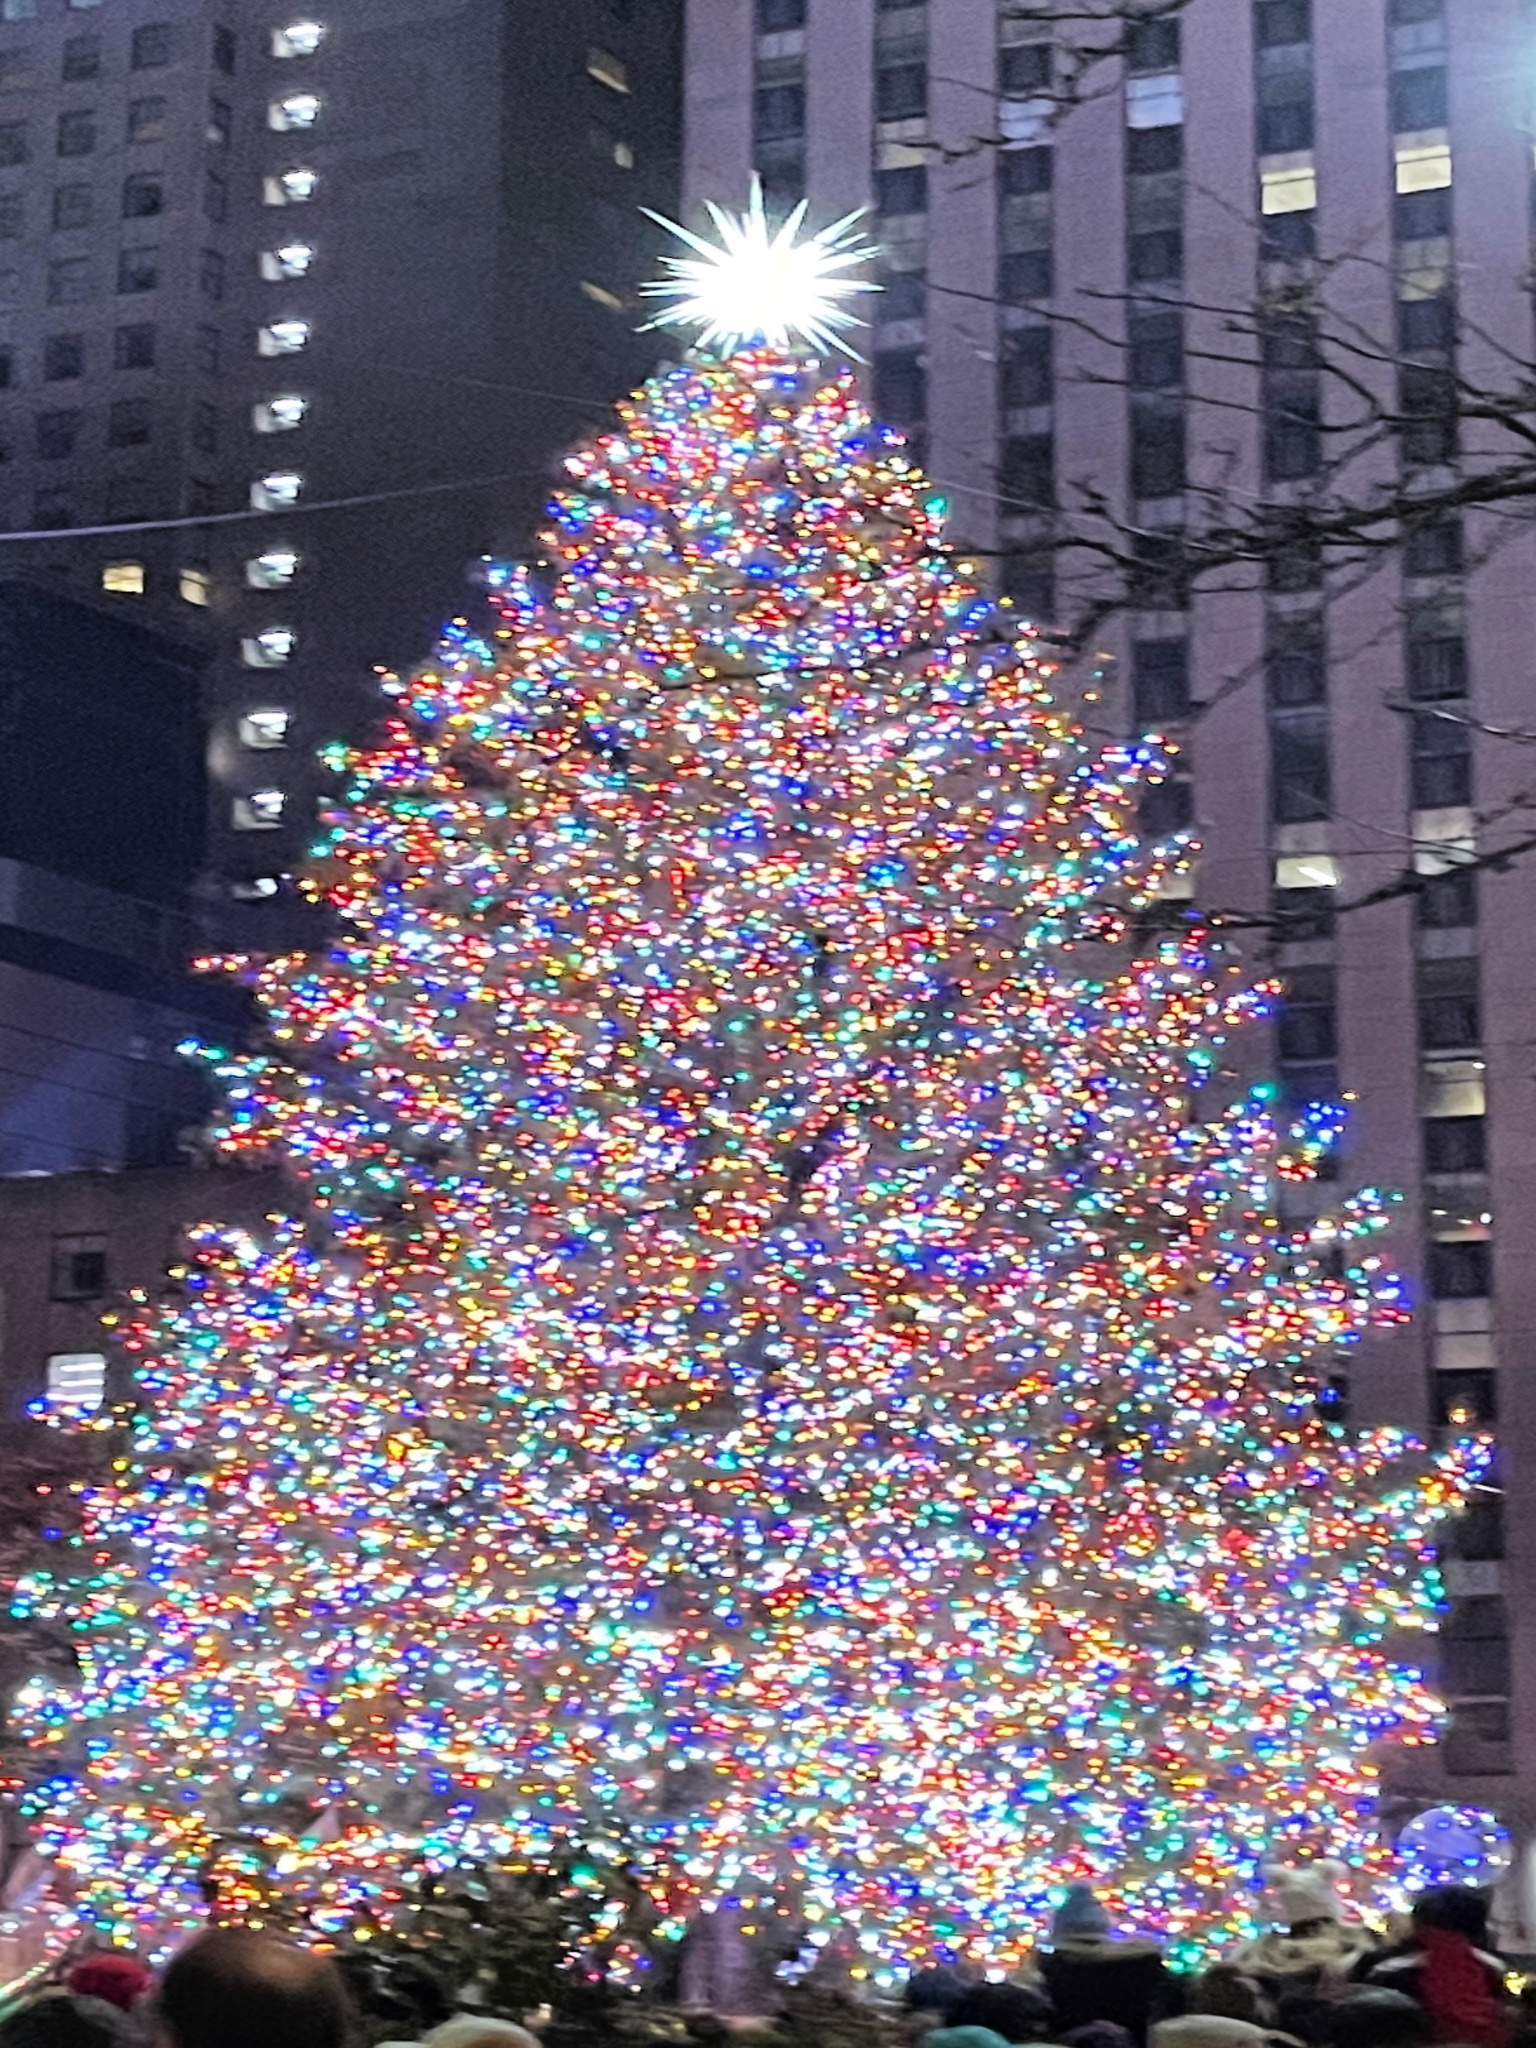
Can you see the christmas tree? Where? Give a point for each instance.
(783, 1367)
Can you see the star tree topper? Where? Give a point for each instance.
(763, 284)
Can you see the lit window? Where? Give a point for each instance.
(1443, 839)
(279, 415)
(1423, 162)
(292, 260)
(273, 569)
(1155, 101)
(294, 110)
(261, 811)
(1288, 184)
(195, 585)
(290, 188)
(269, 648)
(253, 891)
(1455, 1088)
(607, 70)
(298, 39)
(279, 487)
(1306, 871)
(282, 337)
(265, 729)
(77, 1381)
(127, 578)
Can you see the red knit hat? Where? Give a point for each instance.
(121, 1979)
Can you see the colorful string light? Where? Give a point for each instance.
(787, 1360)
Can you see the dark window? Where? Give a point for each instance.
(1433, 550)
(1279, 22)
(1024, 68)
(128, 497)
(1455, 1144)
(15, 69)
(1029, 578)
(1450, 1013)
(13, 217)
(1303, 1085)
(13, 142)
(1160, 681)
(1021, 172)
(82, 58)
(1461, 1270)
(901, 386)
(1152, 46)
(778, 111)
(58, 434)
(1421, 216)
(1148, 150)
(902, 191)
(1308, 1022)
(1289, 343)
(901, 92)
(205, 427)
(1466, 1400)
(143, 196)
(128, 423)
(1159, 581)
(1478, 1531)
(1285, 128)
(1028, 471)
(1474, 1648)
(1447, 902)
(138, 270)
(1166, 808)
(1296, 672)
(1286, 237)
(63, 356)
(1157, 447)
(1437, 668)
(77, 1273)
(1299, 781)
(774, 16)
(210, 274)
(72, 206)
(205, 349)
(1295, 566)
(151, 46)
(133, 348)
(223, 49)
(1426, 323)
(1027, 375)
(1302, 915)
(215, 197)
(904, 296)
(1428, 396)
(77, 132)
(1441, 762)
(146, 118)
(781, 167)
(70, 281)
(53, 508)
(1400, 12)
(1156, 349)
(1159, 254)
(1024, 274)
(1418, 99)
(1293, 442)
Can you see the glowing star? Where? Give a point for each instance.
(759, 284)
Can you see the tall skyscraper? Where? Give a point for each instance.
(303, 301)
(1111, 249)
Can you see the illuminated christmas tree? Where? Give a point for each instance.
(785, 1361)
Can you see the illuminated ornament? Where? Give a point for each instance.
(1454, 1845)
(760, 285)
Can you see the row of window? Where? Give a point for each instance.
(274, 569)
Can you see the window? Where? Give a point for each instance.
(290, 188)
(146, 119)
(1154, 102)
(1447, 901)
(1295, 670)
(1418, 100)
(900, 386)
(206, 349)
(272, 647)
(72, 206)
(1155, 256)
(224, 50)
(298, 39)
(1027, 368)
(277, 489)
(1461, 1269)
(1456, 1144)
(1288, 184)
(1027, 475)
(903, 296)
(1024, 68)
(133, 348)
(76, 1382)
(1025, 274)
(1474, 1650)
(13, 142)
(1152, 46)
(151, 46)
(1306, 871)
(775, 16)
(1156, 350)
(1455, 1088)
(1441, 763)
(1167, 807)
(205, 427)
(1437, 668)
(1450, 1013)
(778, 111)
(125, 578)
(280, 415)
(1422, 216)
(143, 195)
(138, 270)
(282, 337)
(128, 423)
(901, 92)
(82, 59)
(1429, 399)
(195, 586)
(607, 70)
(7, 368)
(1308, 1024)
(1157, 447)
(1024, 172)
(1160, 681)
(215, 197)
(15, 69)
(1277, 23)
(265, 729)
(1286, 127)
(1284, 237)
(58, 434)
(272, 570)
(210, 274)
(63, 356)
(1426, 323)
(13, 217)
(294, 110)
(1293, 442)
(293, 259)
(1299, 781)
(18, 10)
(902, 191)
(70, 281)
(261, 811)
(1422, 166)
(1434, 549)
(128, 497)
(80, 6)
(53, 508)
(1151, 151)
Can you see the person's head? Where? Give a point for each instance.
(1225, 1993)
(938, 1988)
(1012, 2010)
(1305, 2017)
(114, 1975)
(1380, 2019)
(236, 1989)
(1304, 1898)
(57, 2020)
(1079, 1917)
(1453, 1909)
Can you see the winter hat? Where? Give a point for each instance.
(114, 1975)
(1079, 1916)
(479, 2030)
(1300, 1895)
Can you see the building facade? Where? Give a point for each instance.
(1105, 243)
(297, 307)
